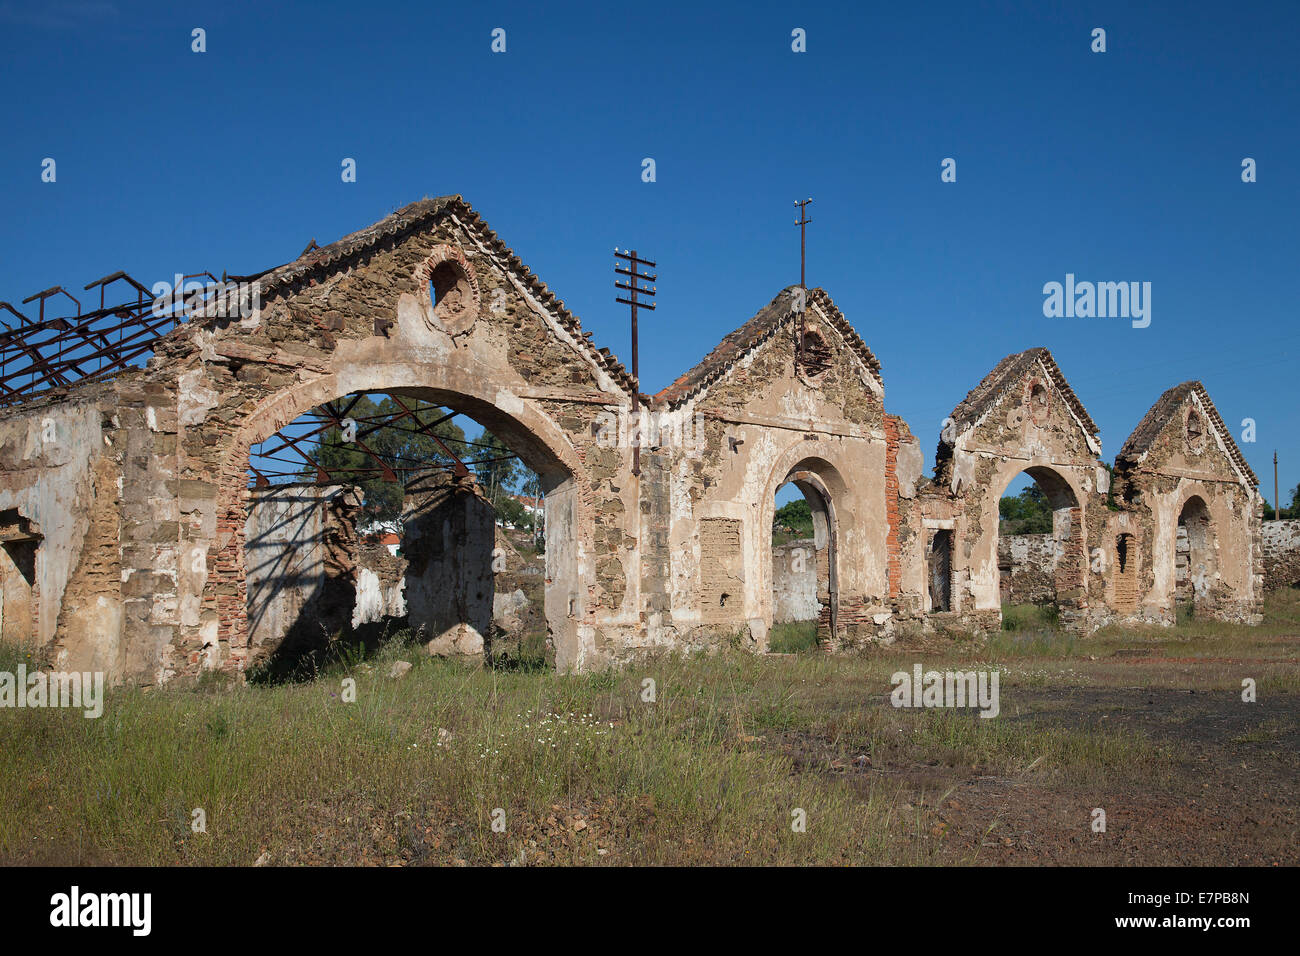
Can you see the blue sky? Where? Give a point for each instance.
(1115, 166)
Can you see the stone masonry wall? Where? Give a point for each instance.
(1027, 567)
(794, 582)
(1281, 547)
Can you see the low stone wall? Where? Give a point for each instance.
(794, 582)
(448, 538)
(1281, 546)
(1027, 568)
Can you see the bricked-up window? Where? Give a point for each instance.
(1125, 593)
(816, 356)
(721, 568)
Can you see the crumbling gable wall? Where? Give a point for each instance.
(1179, 457)
(1023, 417)
(359, 316)
(761, 418)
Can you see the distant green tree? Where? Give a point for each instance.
(1285, 511)
(795, 515)
(512, 512)
(1027, 513)
(496, 466)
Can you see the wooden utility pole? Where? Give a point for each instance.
(1277, 511)
(802, 223)
(634, 274)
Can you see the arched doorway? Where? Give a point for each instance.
(804, 573)
(1040, 550)
(1195, 559)
(461, 553)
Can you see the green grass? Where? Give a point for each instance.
(793, 637)
(413, 770)
(707, 772)
(1026, 617)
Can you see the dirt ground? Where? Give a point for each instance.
(1231, 795)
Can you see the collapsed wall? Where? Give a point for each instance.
(381, 582)
(301, 545)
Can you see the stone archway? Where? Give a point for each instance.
(1195, 557)
(822, 563)
(823, 488)
(1065, 549)
(528, 431)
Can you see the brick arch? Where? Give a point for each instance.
(543, 446)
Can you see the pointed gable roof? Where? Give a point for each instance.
(766, 322)
(1163, 411)
(319, 262)
(1011, 369)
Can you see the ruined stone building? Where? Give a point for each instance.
(135, 543)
